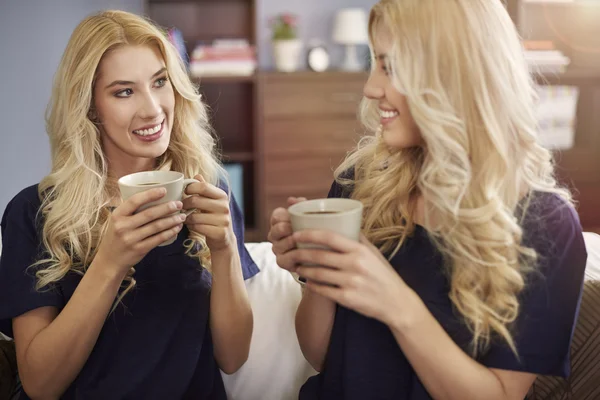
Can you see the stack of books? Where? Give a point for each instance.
(543, 58)
(223, 57)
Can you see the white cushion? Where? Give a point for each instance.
(276, 368)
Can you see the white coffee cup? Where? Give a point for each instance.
(174, 182)
(342, 216)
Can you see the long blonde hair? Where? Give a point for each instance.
(460, 65)
(76, 193)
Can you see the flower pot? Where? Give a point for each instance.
(287, 54)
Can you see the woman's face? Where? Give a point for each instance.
(399, 129)
(134, 102)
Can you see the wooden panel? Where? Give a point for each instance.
(307, 136)
(206, 21)
(312, 94)
(299, 176)
(231, 112)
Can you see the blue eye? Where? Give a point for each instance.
(160, 82)
(124, 93)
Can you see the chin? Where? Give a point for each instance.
(399, 140)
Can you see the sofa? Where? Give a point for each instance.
(276, 368)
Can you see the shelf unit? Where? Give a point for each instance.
(572, 26)
(232, 100)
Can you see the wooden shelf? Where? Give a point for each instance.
(572, 76)
(240, 156)
(224, 79)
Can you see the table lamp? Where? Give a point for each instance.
(350, 29)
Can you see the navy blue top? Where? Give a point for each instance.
(158, 346)
(364, 361)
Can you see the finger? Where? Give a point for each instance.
(221, 220)
(155, 212)
(286, 262)
(279, 215)
(330, 239)
(153, 241)
(321, 257)
(284, 245)
(293, 200)
(157, 226)
(333, 293)
(281, 230)
(131, 205)
(323, 275)
(205, 189)
(207, 205)
(215, 233)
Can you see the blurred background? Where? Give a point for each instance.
(283, 79)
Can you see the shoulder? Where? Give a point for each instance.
(23, 209)
(551, 226)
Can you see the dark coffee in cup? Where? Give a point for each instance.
(320, 212)
(148, 183)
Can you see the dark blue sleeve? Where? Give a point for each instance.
(550, 303)
(20, 249)
(249, 268)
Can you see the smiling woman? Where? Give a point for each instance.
(86, 323)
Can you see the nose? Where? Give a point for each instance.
(373, 89)
(150, 106)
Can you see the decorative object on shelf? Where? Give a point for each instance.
(350, 29)
(317, 57)
(223, 57)
(286, 44)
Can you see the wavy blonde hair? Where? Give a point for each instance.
(76, 194)
(461, 67)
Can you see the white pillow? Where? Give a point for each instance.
(592, 245)
(276, 368)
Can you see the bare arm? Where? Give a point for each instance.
(314, 321)
(231, 319)
(53, 347)
(447, 372)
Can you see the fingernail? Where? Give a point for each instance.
(179, 204)
(182, 217)
(161, 191)
(173, 205)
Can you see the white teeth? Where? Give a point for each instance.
(388, 114)
(147, 132)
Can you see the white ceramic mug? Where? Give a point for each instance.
(342, 216)
(174, 182)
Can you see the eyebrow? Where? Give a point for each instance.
(115, 83)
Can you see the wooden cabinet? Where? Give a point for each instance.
(308, 123)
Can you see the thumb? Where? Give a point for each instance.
(293, 200)
(200, 178)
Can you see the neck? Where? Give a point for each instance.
(120, 168)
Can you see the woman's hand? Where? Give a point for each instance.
(130, 236)
(280, 235)
(353, 274)
(212, 217)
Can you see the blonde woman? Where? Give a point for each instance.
(467, 281)
(86, 324)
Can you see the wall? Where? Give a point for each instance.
(33, 35)
(315, 22)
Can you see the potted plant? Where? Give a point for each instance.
(286, 44)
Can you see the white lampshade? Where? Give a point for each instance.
(350, 26)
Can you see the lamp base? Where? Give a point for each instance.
(351, 63)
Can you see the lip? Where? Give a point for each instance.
(153, 137)
(150, 126)
(386, 121)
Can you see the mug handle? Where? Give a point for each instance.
(186, 183)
